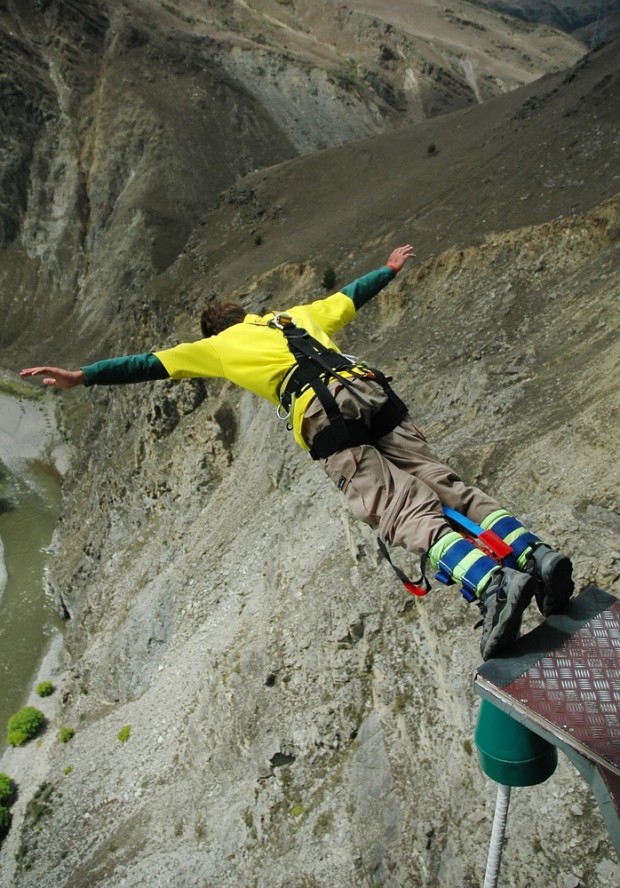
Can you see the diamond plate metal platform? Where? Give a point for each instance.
(562, 681)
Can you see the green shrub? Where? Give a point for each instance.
(45, 689)
(65, 734)
(24, 725)
(329, 278)
(5, 821)
(124, 734)
(7, 789)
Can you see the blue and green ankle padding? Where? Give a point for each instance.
(456, 558)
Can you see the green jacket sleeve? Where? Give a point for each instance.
(120, 371)
(364, 288)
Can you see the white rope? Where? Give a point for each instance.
(497, 836)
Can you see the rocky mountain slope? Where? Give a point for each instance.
(295, 718)
(563, 14)
(209, 93)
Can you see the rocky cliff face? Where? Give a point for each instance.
(295, 718)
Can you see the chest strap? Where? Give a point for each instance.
(316, 366)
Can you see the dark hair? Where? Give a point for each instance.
(217, 316)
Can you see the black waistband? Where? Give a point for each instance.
(344, 433)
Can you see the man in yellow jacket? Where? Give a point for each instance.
(348, 417)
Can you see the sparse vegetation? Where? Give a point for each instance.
(323, 823)
(7, 789)
(65, 734)
(329, 278)
(467, 746)
(5, 821)
(399, 704)
(24, 725)
(124, 734)
(45, 689)
(40, 804)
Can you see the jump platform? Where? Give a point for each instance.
(562, 681)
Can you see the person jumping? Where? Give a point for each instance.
(353, 424)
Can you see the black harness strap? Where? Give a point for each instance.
(316, 365)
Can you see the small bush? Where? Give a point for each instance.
(24, 725)
(258, 240)
(7, 789)
(5, 821)
(124, 734)
(329, 278)
(45, 689)
(65, 734)
(41, 803)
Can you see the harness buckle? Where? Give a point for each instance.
(281, 320)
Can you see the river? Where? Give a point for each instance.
(32, 459)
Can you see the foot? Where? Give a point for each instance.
(502, 604)
(552, 573)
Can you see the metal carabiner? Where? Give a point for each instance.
(280, 415)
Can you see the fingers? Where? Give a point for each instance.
(399, 256)
(57, 376)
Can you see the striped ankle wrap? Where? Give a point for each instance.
(461, 561)
(511, 532)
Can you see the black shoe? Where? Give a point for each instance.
(502, 604)
(553, 576)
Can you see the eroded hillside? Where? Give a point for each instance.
(280, 687)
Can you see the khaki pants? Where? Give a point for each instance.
(398, 486)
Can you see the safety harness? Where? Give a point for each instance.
(315, 366)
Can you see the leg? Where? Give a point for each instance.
(405, 511)
(406, 447)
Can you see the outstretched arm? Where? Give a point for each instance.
(111, 371)
(364, 288)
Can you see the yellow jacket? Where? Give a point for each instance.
(256, 356)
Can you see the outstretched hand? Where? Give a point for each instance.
(64, 379)
(399, 256)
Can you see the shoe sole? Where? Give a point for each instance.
(506, 630)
